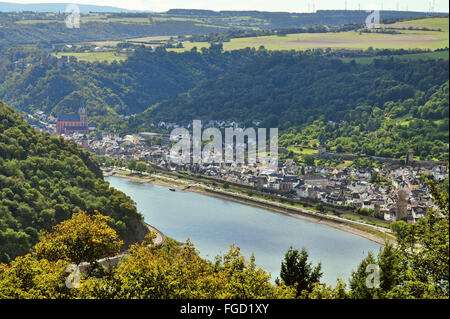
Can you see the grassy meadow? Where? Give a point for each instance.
(408, 39)
(95, 56)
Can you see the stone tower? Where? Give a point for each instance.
(83, 115)
(322, 148)
(402, 203)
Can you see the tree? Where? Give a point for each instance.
(141, 167)
(319, 207)
(171, 271)
(309, 159)
(389, 266)
(298, 273)
(42, 273)
(178, 272)
(82, 238)
(132, 164)
(30, 278)
(375, 177)
(322, 291)
(44, 179)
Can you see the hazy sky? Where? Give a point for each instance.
(261, 5)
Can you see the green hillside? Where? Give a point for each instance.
(294, 90)
(129, 87)
(43, 180)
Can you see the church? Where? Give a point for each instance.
(73, 123)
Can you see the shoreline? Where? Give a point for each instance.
(342, 225)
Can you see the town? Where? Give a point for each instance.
(390, 193)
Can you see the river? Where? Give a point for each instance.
(214, 224)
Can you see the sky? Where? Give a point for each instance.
(262, 5)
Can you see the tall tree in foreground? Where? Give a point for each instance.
(83, 238)
(297, 272)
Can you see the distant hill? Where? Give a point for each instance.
(287, 20)
(55, 7)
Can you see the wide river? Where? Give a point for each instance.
(214, 224)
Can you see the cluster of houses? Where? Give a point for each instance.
(392, 193)
(221, 124)
(396, 192)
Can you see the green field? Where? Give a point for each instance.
(95, 56)
(440, 23)
(132, 40)
(303, 151)
(408, 39)
(38, 21)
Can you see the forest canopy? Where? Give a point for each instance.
(43, 180)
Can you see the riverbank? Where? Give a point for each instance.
(374, 233)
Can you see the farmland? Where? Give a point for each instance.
(406, 39)
(95, 56)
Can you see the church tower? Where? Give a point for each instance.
(83, 115)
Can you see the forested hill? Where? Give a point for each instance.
(382, 108)
(43, 180)
(293, 89)
(129, 87)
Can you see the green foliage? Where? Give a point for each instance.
(377, 131)
(132, 164)
(172, 272)
(280, 90)
(388, 261)
(309, 159)
(179, 273)
(141, 167)
(52, 29)
(43, 180)
(298, 273)
(384, 108)
(82, 238)
(109, 90)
